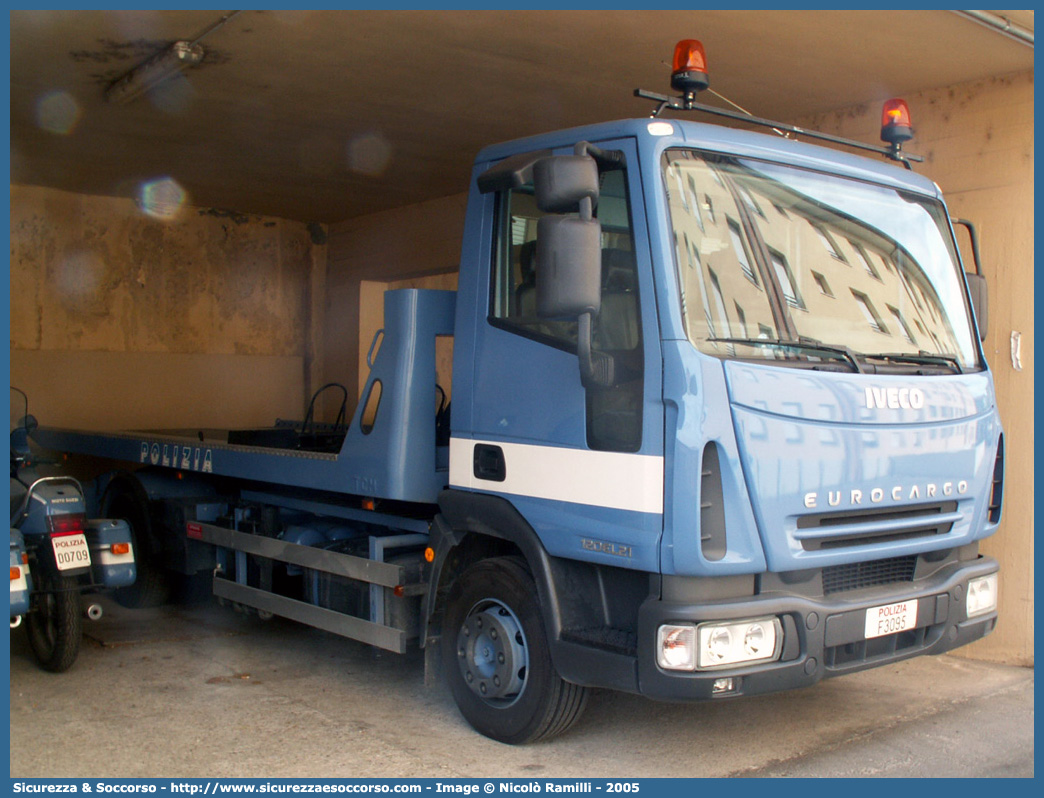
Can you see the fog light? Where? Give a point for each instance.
(982, 595)
(676, 647)
(738, 642)
(727, 685)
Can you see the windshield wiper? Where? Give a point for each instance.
(922, 358)
(806, 344)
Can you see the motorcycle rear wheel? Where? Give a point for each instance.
(54, 622)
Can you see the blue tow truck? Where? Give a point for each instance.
(720, 425)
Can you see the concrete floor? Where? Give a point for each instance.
(206, 692)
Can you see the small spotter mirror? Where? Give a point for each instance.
(563, 181)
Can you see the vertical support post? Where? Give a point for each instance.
(378, 546)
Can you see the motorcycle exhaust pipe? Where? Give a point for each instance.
(94, 612)
(16, 621)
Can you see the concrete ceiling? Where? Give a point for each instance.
(326, 115)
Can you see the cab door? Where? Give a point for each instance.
(583, 466)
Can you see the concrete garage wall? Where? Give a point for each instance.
(977, 140)
(978, 143)
(119, 320)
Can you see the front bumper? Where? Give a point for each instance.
(822, 636)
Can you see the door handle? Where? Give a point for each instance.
(489, 463)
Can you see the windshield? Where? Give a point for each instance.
(786, 264)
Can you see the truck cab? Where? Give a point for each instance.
(788, 472)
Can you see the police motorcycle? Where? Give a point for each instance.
(57, 555)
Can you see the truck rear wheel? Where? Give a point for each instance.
(54, 623)
(496, 658)
(126, 499)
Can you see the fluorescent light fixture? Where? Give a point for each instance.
(161, 67)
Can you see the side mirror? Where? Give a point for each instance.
(569, 248)
(569, 254)
(563, 182)
(569, 267)
(980, 301)
(976, 282)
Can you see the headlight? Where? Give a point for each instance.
(708, 646)
(982, 595)
(738, 642)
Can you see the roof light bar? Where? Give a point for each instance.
(689, 76)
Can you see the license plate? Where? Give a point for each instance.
(70, 551)
(889, 619)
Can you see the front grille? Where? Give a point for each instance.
(884, 525)
(857, 575)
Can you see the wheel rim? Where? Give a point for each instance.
(492, 653)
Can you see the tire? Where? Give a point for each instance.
(126, 499)
(54, 623)
(496, 657)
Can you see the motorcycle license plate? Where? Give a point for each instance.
(70, 551)
(890, 619)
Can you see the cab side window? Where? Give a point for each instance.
(513, 301)
(614, 414)
(514, 281)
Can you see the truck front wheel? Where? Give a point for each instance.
(496, 658)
